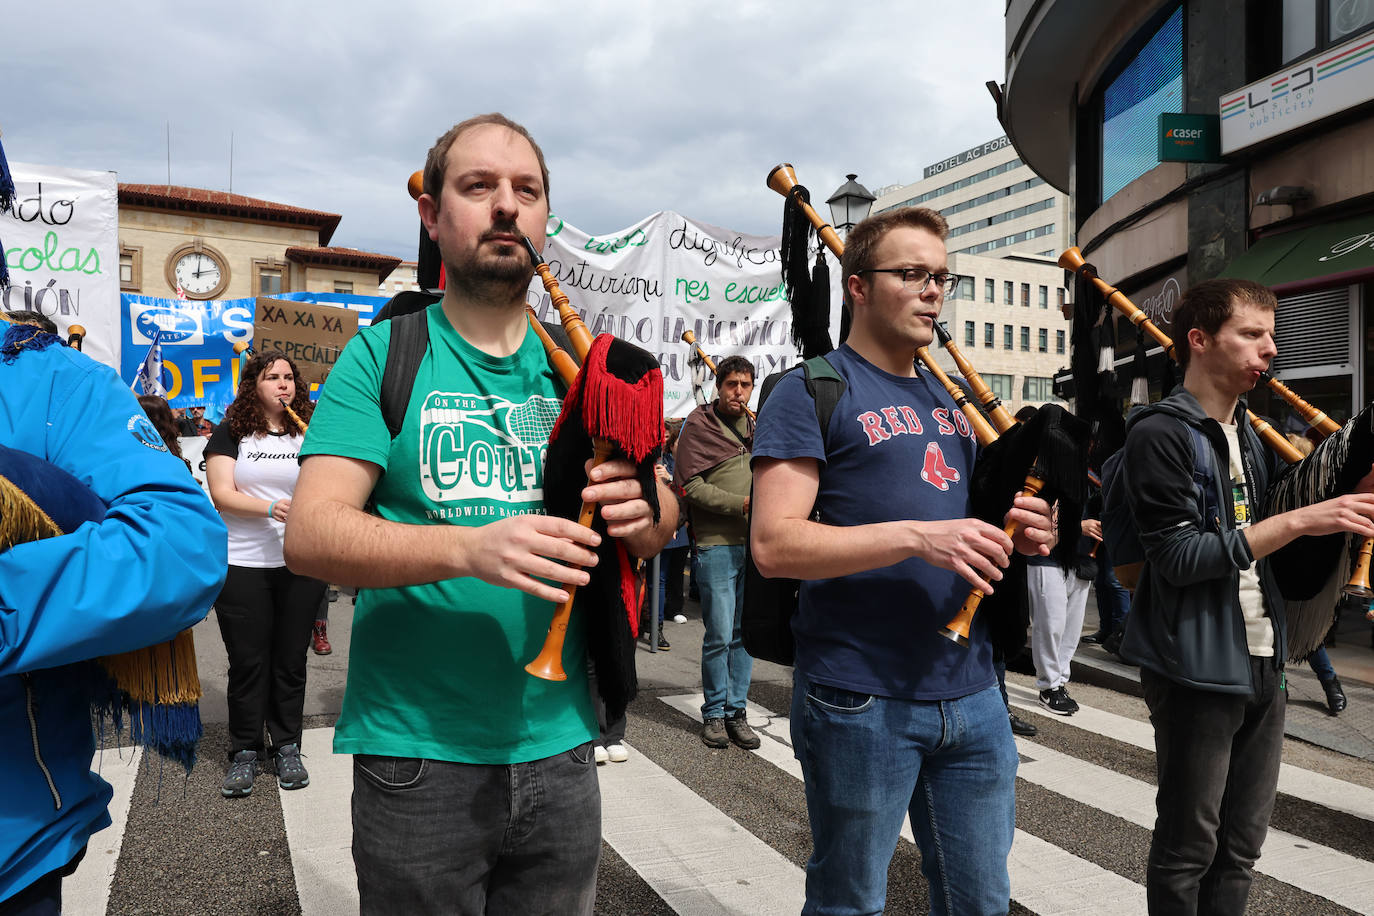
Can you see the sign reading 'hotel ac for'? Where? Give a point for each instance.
(967, 155)
(1306, 91)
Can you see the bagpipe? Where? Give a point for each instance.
(155, 690)
(1313, 573)
(1045, 456)
(613, 409)
(690, 339)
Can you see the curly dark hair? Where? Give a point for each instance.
(166, 425)
(245, 415)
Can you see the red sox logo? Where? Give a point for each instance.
(935, 472)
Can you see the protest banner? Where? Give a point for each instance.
(61, 243)
(312, 335)
(666, 274)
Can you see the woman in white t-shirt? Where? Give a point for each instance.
(265, 611)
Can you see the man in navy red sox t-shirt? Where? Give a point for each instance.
(887, 716)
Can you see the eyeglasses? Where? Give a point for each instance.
(916, 278)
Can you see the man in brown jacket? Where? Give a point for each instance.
(713, 467)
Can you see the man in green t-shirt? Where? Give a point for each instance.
(475, 789)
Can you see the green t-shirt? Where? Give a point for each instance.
(437, 670)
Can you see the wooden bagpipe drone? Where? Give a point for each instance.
(1045, 456)
(1313, 573)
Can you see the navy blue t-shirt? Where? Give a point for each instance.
(899, 449)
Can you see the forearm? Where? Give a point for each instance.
(649, 541)
(803, 549)
(331, 540)
(713, 498)
(1273, 533)
(233, 502)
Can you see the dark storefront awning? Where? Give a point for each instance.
(1319, 257)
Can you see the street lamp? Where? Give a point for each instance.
(849, 204)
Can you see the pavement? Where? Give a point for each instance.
(1307, 719)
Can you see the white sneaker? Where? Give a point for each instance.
(601, 755)
(617, 753)
(679, 618)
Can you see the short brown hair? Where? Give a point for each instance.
(1209, 304)
(730, 365)
(864, 238)
(436, 163)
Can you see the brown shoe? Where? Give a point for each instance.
(319, 639)
(713, 733)
(739, 731)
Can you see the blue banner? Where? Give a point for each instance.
(198, 340)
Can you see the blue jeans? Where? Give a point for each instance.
(1320, 664)
(431, 836)
(725, 666)
(869, 760)
(1113, 601)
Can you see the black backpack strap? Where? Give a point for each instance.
(826, 387)
(409, 341)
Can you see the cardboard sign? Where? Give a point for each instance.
(313, 336)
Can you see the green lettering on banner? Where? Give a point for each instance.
(693, 290)
(736, 292)
(633, 239)
(69, 260)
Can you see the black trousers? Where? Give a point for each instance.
(1218, 758)
(265, 617)
(676, 560)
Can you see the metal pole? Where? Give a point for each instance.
(654, 603)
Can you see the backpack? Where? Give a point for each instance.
(1121, 536)
(770, 604)
(409, 342)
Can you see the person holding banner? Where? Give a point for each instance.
(453, 742)
(265, 611)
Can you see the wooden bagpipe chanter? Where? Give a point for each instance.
(1045, 456)
(1316, 573)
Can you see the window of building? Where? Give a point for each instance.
(1006, 336)
(1315, 25)
(1150, 84)
(1059, 341)
(1025, 338)
(1000, 384)
(343, 286)
(1061, 293)
(1037, 388)
(990, 290)
(963, 289)
(269, 277)
(1007, 293)
(1044, 337)
(987, 334)
(1044, 297)
(130, 268)
(970, 332)
(1025, 295)
(1002, 217)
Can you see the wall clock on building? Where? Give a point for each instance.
(200, 271)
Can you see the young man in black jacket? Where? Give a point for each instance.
(1207, 624)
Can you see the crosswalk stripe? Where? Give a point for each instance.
(319, 830)
(87, 891)
(696, 858)
(1318, 788)
(1309, 866)
(1044, 878)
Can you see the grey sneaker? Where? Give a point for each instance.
(238, 783)
(713, 733)
(737, 727)
(291, 772)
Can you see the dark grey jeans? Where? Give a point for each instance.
(436, 837)
(1217, 756)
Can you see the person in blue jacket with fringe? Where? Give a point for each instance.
(146, 566)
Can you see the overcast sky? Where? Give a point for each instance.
(639, 106)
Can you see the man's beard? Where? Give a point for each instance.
(484, 276)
